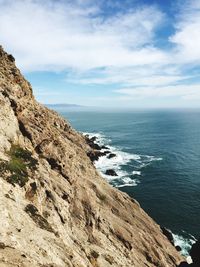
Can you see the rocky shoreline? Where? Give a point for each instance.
(102, 150)
(99, 151)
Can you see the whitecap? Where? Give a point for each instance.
(121, 159)
(153, 158)
(126, 181)
(125, 178)
(184, 243)
(136, 172)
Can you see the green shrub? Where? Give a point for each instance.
(23, 156)
(17, 167)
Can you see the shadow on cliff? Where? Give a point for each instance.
(195, 255)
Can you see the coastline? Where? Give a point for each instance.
(121, 178)
(67, 214)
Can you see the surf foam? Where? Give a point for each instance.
(131, 178)
(119, 162)
(184, 242)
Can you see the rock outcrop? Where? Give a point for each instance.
(55, 208)
(111, 172)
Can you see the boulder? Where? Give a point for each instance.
(95, 155)
(111, 155)
(178, 248)
(91, 142)
(104, 147)
(111, 172)
(93, 139)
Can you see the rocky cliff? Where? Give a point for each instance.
(55, 208)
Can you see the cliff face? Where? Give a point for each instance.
(55, 208)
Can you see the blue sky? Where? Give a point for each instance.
(114, 53)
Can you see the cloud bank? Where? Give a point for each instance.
(99, 47)
(47, 35)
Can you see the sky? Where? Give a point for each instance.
(106, 53)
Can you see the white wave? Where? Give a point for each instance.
(136, 172)
(116, 163)
(121, 158)
(153, 158)
(147, 160)
(128, 182)
(122, 179)
(184, 243)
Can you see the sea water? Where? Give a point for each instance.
(157, 162)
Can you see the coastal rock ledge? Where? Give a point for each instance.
(55, 208)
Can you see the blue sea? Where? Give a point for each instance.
(157, 162)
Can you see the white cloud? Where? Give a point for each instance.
(48, 35)
(180, 91)
(105, 50)
(134, 76)
(187, 35)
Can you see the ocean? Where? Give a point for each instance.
(157, 162)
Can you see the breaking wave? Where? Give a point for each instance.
(135, 163)
(119, 163)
